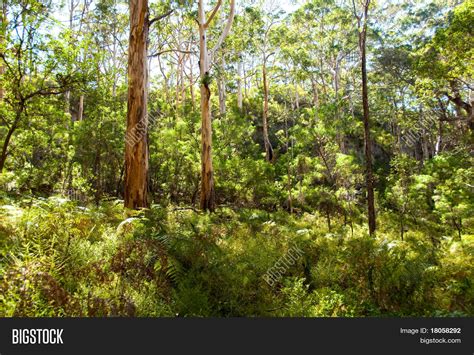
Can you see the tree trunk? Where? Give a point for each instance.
(98, 175)
(191, 82)
(266, 140)
(114, 55)
(315, 93)
(439, 138)
(136, 149)
(4, 155)
(207, 171)
(80, 110)
(288, 168)
(11, 130)
(222, 88)
(239, 84)
(3, 36)
(183, 84)
(176, 89)
(297, 96)
(315, 98)
(245, 82)
(367, 140)
(71, 7)
(165, 81)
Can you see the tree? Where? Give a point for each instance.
(266, 53)
(77, 114)
(266, 140)
(3, 31)
(206, 58)
(136, 149)
(445, 64)
(362, 19)
(35, 66)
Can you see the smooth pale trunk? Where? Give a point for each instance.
(315, 96)
(266, 140)
(239, 85)
(297, 96)
(191, 82)
(165, 80)
(183, 85)
(222, 89)
(439, 138)
(80, 110)
(245, 82)
(177, 97)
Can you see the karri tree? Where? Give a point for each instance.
(362, 19)
(206, 58)
(136, 150)
(136, 147)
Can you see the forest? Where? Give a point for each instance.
(237, 158)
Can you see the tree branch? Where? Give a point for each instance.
(160, 17)
(226, 31)
(157, 54)
(213, 13)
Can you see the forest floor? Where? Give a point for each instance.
(62, 259)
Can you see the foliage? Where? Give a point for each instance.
(69, 249)
(61, 259)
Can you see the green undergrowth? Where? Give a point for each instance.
(61, 259)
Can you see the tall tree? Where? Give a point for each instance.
(136, 149)
(206, 58)
(362, 18)
(266, 139)
(270, 20)
(3, 31)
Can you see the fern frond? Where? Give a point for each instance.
(175, 270)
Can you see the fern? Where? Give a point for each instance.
(165, 241)
(175, 270)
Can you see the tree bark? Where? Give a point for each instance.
(207, 171)
(71, 7)
(207, 201)
(11, 130)
(297, 96)
(367, 139)
(266, 140)
(191, 82)
(222, 89)
(80, 110)
(3, 36)
(4, 155)
(179, 80)
(239, 84)
(461, 105)
(136, 148)
(288, 168)
(315, 97)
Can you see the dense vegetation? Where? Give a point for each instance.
(144, 176)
